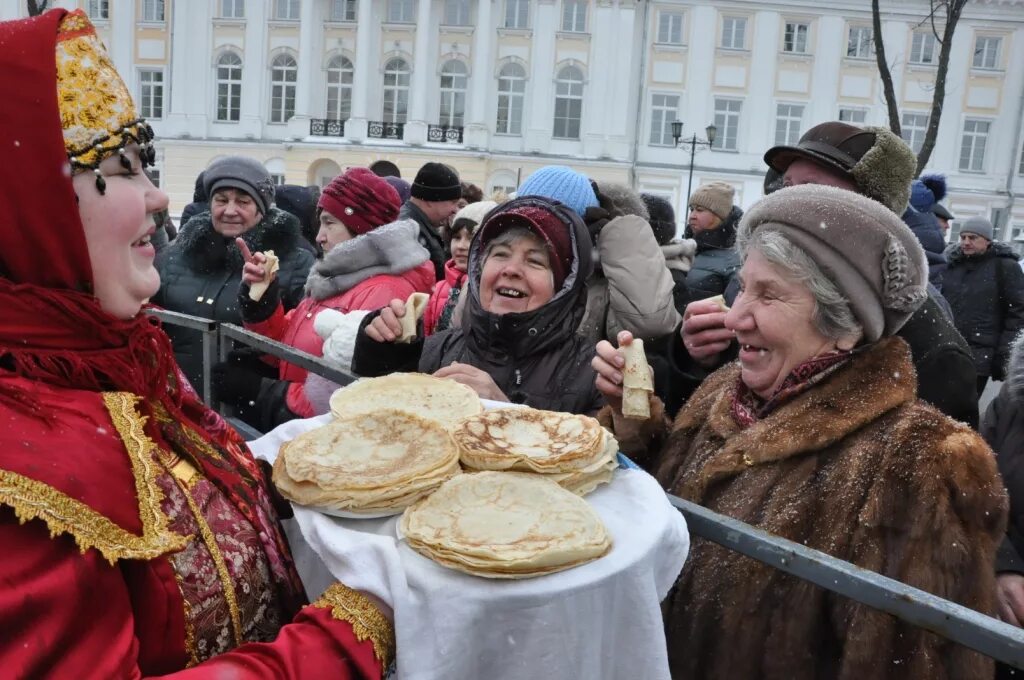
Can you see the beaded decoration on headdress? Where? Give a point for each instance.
(97, 113)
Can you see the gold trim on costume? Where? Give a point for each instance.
(32, 499)
(368, 623)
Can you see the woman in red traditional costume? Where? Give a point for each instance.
(137, 531)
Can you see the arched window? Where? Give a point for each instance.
(396, 91)
(511, 88)
(322, 172)
(568, 103)
(339, 88)
(283, 74)
(453, 93)
(229, 87)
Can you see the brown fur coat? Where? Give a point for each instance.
(855, 467)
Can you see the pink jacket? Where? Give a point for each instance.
(453, 278)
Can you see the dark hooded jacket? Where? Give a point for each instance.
(429, 238)
(201, 271)
(986, 293)
(535, 358)
(200, 203)
(929, 235)
(716, 262)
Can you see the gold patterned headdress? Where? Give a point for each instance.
(97, 113)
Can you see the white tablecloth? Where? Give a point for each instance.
(599, 620)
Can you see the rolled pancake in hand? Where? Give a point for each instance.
(720, 301)
(637, 384)
(270, 268)
(414, 308)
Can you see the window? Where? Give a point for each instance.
(153, 174)
(343, 10)
(734, 33)
(986, 52)
(276, 178)
(517, 13)
(283, 74)
(401, 11)
(232, 9)
(396, 91)
(860, 44)
(855, 116)
(670, 28)
(98, 9)
(972, 150)
(663, 111)
(151, 93)
(913, 127)
(787, 124)
(152, 10)
(795, 38)
(922, 49)
(286, 10)
(453, 93)
(229, 86)
(339, 88)
(727, 120)
(456, 13)
(511, 88)
(574, 16)
(568, 103)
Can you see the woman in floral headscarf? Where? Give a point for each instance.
(139, 538)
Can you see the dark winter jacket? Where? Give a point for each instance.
(535, 358)
(200, 203)
(986, 293)
(929, 235)
(299, 201)
(717, 261)
(429, 237)
(201, 271)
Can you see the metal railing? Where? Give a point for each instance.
(380, 130)
(949, 620)
(326, 127)
(444, 133)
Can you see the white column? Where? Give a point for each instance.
(12, 9)
(122, 33)
(620, 129)
(255, 74)
(764, 59)
(365, 71)
(700, 76)
(540, 91)
(310, 57)
(824, 88)
(192, 95)
(423, 72)
(602, 67)
(482, 78)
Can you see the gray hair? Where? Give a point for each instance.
(833, 315)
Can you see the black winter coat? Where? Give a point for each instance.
(429, 237)
(201, 271)
(535, 358)
(716, 263)
(986, 293)
(929, 235)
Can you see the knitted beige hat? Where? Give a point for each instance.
(861, 245)
(714, 196)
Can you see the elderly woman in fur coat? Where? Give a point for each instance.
(816, 435)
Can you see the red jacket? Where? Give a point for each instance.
(296, 327)
(453, 278)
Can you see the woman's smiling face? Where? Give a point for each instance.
(516, 275)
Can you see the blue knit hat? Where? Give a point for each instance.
(562, 184)
(927, 191)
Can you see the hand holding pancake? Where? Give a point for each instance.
(609, 364)
(471, 376)
(703, 331)
(387, 327)
(259, 269)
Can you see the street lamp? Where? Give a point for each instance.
(694, 142)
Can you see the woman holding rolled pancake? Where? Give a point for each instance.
(528, 265)
(816, 435)
(138, 534)
(369, 259)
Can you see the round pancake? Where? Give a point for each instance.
(438, 399)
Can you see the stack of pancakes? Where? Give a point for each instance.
(572, 450)
(369, 464)
(438, 399)
(505, 525)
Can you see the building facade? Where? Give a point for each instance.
(499, 88)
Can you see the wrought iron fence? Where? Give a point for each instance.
(326, 127)
(377, 129)
(444, 133)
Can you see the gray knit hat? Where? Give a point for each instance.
(714, 196)
(244, 174)
(977, 225)
(867, 251)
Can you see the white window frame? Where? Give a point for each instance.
(569, 94)
(98, 10)
(789, 118)
(229, 87)
(727, 121)
(860, 43)
(340, 78)
(457, 13)
(284, 76)
(517, 14)
(796, 37)
(974, 144)
(913, 128)
(401, 11)
(670, 27)
(454, 84)
(232, 9)
(511, 97)
(923, 48)
(734, 33)
(854, 115)
(151, 93)
(988, 48)
(664, 110)
(153, 11)
(287, 10)
(344, 10)
(396, 91)
(574, 16)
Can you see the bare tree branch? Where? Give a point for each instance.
(883, 69)
(954, 8)
(37, 7)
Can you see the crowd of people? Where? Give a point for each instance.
(817, 363)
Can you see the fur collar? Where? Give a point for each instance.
(875, 381)
(996, 249)
(1015, 370)
(390, 249)
(679, 254)
(207, 251)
